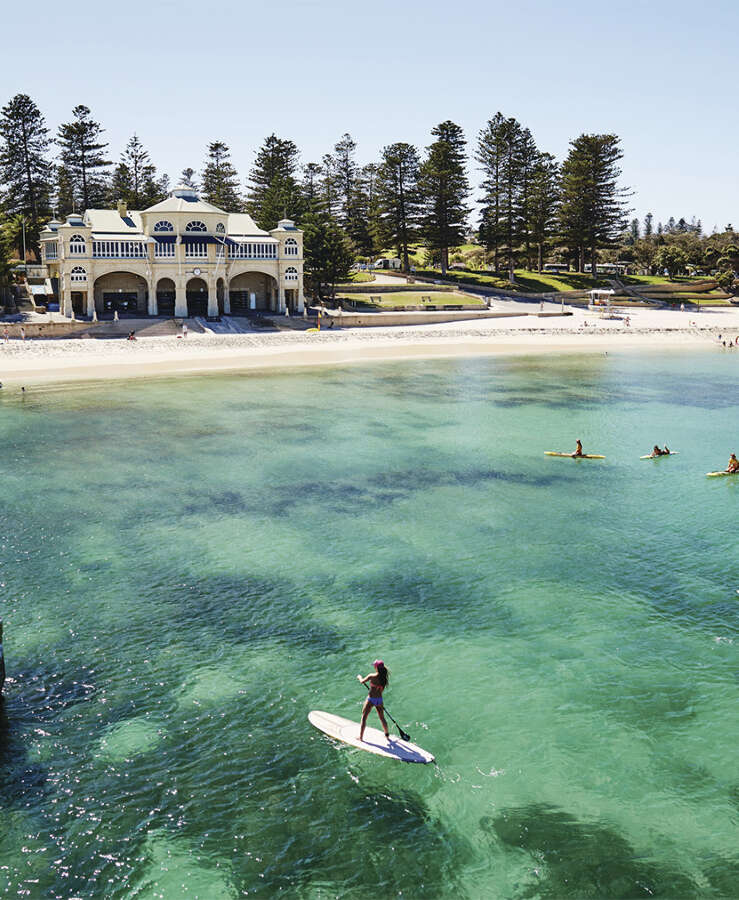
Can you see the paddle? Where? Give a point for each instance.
(403, 734)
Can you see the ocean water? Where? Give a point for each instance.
(189, 566)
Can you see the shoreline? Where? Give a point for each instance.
(37, 362)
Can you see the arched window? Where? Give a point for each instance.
(220, 228)
(163, 226)
(77, 245)
(196, 226)
(291, 247)
(78, 274)
(291, 273)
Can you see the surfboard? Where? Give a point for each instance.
(661, 456)
(719, 474)
(570, 456)
(374, 740)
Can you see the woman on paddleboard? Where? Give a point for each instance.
(377, 683)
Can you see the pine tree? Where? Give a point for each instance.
(592, 213)
(311, 187)
(25, 171)
(82, 155)
(399, 198)
(491, 147)
(445, 188)
(329, 180)
(220, 179)
(543, 204)
(527, 159)
(328, 253)
(273, 190)
(188, 179)
(345, 169)
(648, 228)
(64, 201)
(364, 220)
(134, 178)
(634, 231)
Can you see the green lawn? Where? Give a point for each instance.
(361, 277)
(526, 282)
(393, 299)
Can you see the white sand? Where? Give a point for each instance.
(59, 360)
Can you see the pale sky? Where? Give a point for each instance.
(661, 75)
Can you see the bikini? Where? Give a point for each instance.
(377, 701)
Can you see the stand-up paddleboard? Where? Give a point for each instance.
(374, 740)
(572, 455)
(719, 474)
(671, 453)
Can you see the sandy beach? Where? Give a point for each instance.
(41, 361)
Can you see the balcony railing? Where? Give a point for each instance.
(119, 250)
(252, 250)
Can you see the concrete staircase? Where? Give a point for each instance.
(227, 325)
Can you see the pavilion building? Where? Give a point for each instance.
(181, 257)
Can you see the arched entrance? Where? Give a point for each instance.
(252, 292)
(122, 292)
(78, 303)
(220, 293)
(165, 297)
(196, 292)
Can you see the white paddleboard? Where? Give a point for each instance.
(374, 740)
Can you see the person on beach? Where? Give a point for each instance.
(377, 683)
(578, 448)
(733, 464)
(23, 333)
(6, 334)
(184, 329)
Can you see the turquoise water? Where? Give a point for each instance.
(189, 566)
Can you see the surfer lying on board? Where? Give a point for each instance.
(377, 683)
(658, 452)
(578, 448)
(733, 464)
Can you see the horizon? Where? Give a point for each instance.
(210, 95)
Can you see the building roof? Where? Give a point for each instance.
(242, 225)
(183, 204)
(109, 222)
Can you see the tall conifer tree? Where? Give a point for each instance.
(445, 189)
(543, 203)
(220, 179)
(134, 179)
(83, 157)
(25, 170)
(311, 187)
(399, 198)
(273, 187)
(491, 151)
(593, 208)
(345, 176)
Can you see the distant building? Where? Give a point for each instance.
(181, 257)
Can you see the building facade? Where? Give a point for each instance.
(181, 257)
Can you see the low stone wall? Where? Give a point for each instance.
(384, 319)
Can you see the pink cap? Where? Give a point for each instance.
(377, 663)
